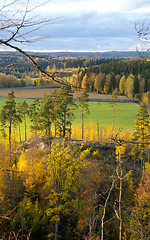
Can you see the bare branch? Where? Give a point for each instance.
(13, 31)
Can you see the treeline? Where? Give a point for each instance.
(103, 80)
(130, 77)
(56, 189)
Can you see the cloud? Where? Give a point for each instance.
(92, 24)
(81, 6)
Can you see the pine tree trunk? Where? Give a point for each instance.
(82, 123)
(98, 139)
(70, 123)
(113, 121)
(10, 143)
(25, 128)
(19, 132)
(49, 138)
(64, 125)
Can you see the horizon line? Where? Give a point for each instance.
(70, 51)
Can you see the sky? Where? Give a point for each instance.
(91, 25)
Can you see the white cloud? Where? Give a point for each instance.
(92, 24)
(78, 6)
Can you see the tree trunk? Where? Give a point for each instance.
(56, 230)
(19, 132)
(98, 138)
(49, 138)
(113, 121)
(82, 122)
(10, 143)
(90, 222)
(120, 212)
(64, 125)
(104, 211)
(120, 198)
(55, 128)
(25, 128)
(70, 123)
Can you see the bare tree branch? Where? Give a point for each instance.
(12, 30)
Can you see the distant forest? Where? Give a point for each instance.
(126, 75)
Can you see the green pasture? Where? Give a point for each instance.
(125, 114)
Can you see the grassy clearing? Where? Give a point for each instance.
(124, 114)
(124, 119)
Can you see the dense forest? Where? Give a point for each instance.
(130, 77)
(52, 187)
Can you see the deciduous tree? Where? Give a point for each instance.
(122, 85)
(129, 89)
(140, 215)
(64, 175)
(84, 82)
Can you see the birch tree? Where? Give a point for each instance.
(64, 176)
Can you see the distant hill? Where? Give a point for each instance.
(90, 54)
(93, 54)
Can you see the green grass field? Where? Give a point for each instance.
(125, 114)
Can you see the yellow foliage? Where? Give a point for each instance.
(4, 165)
(96, 154)
(120, 151)
(104, 134)
(84, 82)
(32, 169)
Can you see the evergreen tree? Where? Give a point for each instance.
(8, 117)
(64, 103)
(142, 129)
(33, 113)
(83, 103)
(46, 116)
(23, 109)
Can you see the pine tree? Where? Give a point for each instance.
(64, 103)
(142, 129)
(23, 109)
(8, 117)
(83, 103)
(46, 116)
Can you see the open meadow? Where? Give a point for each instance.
(101, 113)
